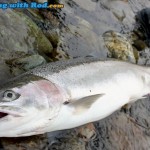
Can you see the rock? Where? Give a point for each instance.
(143, 19)
(144, 57)
(53, 37)
(66, 140)
(137, 5)
(19, 33)
(41, 1)
(19, 36)
(59, 54)
(38, 142)
(139, 45)
(51, 19)
(119, 46)
(4, 73)
(80, 41)
(87, 132)
(90, 6)
(122, 12)
(72, 143)
(4, 69)
(24, 63)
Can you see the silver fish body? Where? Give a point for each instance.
(67, 94)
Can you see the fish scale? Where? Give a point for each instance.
(84, 75)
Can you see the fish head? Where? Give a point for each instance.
(27, 105)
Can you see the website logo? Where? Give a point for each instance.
(33, 5)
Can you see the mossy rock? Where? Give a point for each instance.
(19, 33)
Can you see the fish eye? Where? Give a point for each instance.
(10, 95)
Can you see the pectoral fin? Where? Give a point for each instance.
(83, 104)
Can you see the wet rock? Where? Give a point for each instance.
(137, 34)
(140, 45)
(144, 57)
(68, 140)
(4, 73)
(53, 20)
(47, 22)
(137, 5)
(4, 69)
(122, 12)
(138, 39)
(20, 33)
(41, 1)
(89, 6)
(81, 40)
(38, 142)
(143, 18)
(53, 37)
(75, 139)
(119, 46)
(24, 63)
(33, 14)
(87, 132)
(59, 54)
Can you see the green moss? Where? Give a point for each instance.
(41, 43)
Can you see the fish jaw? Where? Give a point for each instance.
(18, 126)
(30, 112)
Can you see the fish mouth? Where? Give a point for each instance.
(2, 115)
(10, 111)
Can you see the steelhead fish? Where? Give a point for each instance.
(66, 94)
